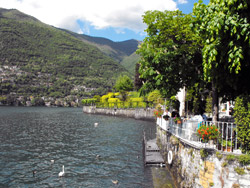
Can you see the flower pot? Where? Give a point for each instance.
(178, 121)
(228, 149)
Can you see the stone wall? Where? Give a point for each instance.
(199, 168)
(143, 114)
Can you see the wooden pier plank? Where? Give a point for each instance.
(152, 153)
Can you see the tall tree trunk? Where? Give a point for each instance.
(215, 106)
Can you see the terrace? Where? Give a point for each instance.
(186, 131)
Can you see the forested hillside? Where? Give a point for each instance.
(123, 52)
(39, 60)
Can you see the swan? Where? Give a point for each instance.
(96, 124)
(115, 181)
(52, 161)
(61, 173)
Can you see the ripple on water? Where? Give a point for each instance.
(93, 156)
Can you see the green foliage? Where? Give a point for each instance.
(97, 98)
(224, 164)
(230, 157)
(203, 153)
(239, 170)
(208, 104)
(155, 97)
(50, 60)
(219, 155)
(226, 143)
(211, 184)
(129, 62)
(122, 52)
(224, 30)
(244, 159)
(124, 84)
(242, 119)
(89, 101)
(170, 56)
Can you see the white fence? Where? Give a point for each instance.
(187, 131)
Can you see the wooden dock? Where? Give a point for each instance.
(152, 153)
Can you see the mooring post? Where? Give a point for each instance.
(144, 148)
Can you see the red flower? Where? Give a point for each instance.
(207, 128)
(216, 129)
(211, 127)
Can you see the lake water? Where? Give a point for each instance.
(30, 137)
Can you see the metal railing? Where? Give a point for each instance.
(187, 131)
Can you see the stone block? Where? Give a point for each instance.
(244, 182)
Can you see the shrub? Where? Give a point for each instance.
(211, 184)
(242, 116)
(219, 155)
(244, 159)
(203, 153)
(239, 170)
(88, 101)
(230, 157)
(224, 164)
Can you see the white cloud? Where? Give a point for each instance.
(98, 13)
(182, 1)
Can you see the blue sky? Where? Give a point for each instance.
(117, 20)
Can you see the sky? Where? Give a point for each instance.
(117, 20)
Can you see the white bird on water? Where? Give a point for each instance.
(61, 173)
(96, 124)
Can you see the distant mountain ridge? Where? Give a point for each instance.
(41, 60)
(123, 52)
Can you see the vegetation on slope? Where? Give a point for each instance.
(45, 61)
(123, 52)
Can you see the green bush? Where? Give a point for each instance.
(230, 157)
(89, 101)
(219, 155)
(239, 170)
(203, 153)
(242, 118)
(244, 159)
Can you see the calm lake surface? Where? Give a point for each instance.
(30, 137)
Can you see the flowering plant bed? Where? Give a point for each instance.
(209, 132)
(158, 113)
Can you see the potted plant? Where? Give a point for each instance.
(227, 145)
(206, 133)
(177, 120)
(158, 112)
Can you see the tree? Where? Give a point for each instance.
(242, 118)
(225, 32)
(155, 97)
(123, 85)
(137, 82)
(170, 54)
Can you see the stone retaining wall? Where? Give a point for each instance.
(143, 114)
(192, 170)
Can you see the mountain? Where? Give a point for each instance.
(123, 52)
(41, 60)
